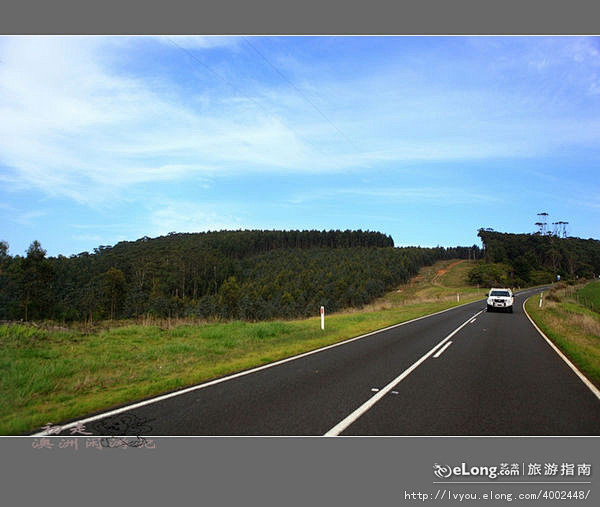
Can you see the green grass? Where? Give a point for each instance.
(573, 328)
(590, 295)
(50, 375)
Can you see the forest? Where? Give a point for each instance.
(533, 259)
(246, 274)
(258, 275)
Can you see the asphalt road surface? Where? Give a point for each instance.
(464, 371)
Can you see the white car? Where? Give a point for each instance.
(500, 299)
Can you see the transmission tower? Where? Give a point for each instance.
(560, 228)
(564, 228)
(542, 223)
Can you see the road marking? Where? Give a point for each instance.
(583, 378)
(473, 321)
(365, 407)
(374, 389)
(441, 351)
(236, 375)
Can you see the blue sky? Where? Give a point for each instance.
(104, 139)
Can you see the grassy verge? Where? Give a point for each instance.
(50, 374)
(589, 296)
(573, 328)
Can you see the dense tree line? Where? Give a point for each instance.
(231, 274)
(521, 259)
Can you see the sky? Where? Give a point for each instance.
(427, 139)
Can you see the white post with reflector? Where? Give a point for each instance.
(323, 317)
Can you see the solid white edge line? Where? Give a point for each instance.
(582, 377)
(441, 351)
(365, 407)
(233, 376)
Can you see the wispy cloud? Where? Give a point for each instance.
(188, 216)
(12, 214)
(71, 125)
(83, 118)
(434, 195)
(28, 217)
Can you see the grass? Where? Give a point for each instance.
(50, 374)
(589, 295)
(573, 328)
(440, 282)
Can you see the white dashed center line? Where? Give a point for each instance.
(365, 407)
(439, 353)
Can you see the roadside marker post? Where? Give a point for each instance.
(541, 296)
(323, 318)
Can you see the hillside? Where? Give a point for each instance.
(531, 259)
(250, 275)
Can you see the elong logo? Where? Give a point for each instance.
(442, 471)
(445, 471)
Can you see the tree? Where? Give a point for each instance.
(235, 274)
(4, 257)
(36, 292)
(6, 281)
(113, 286)
(229, 298)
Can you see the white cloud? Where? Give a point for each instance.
(432, 195)
(585, 49)
(187, 216)
(28, 217)
(75, 124)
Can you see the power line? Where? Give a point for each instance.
(197, 60)
(302, 94)
(237, 89)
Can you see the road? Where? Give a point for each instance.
(460, 372)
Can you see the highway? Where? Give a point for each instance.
(463, 371)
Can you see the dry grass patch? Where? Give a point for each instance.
(590, 325)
